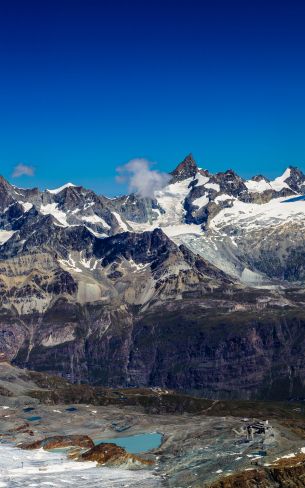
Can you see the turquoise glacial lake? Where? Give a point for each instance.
(136, 443)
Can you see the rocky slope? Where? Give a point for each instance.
(203, 441)
(284, 473)
(198, 287)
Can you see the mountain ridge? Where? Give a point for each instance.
(180, 290)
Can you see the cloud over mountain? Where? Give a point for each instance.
(140, 178)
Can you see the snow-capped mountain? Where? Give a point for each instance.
(120, 291)
(250, 229)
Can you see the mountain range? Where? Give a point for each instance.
(198, 288)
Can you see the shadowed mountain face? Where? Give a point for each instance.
(198, 288)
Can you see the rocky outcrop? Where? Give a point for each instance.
(59, 441)
(112, 455)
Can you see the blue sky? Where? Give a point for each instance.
(87, 85)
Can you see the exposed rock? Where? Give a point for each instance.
(186, 169)
(60, 441)
(5, 392)
(285, 473)
(111, 454)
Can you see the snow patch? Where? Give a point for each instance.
(201, 201)
(258, 186)
(171, 200)
(52, 209)
(96, 234)
(5, 235)
(213, 186)
(95, 219)
(202, 180)
(26, 206)
(120, 221)
(178, 230)
(70, 264)
(223, 198)
(262, 185)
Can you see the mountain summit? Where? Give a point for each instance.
(186, 169)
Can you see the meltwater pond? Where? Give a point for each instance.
(136, 443)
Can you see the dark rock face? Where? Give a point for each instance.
(230, 183)
(12, 335)
(237, 356)
(136, 209)
(230, 355)
(186, 169)
(296, 180)
(148, 247)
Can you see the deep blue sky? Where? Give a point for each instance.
(87, 85)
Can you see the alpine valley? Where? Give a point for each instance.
(199, 289)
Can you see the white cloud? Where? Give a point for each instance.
(23, 170)
(140, 178)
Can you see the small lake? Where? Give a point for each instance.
(136, 443)
(34, 418)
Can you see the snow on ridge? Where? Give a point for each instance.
(120, 221)
(96, 234)
(244, 215)
(279, 182)
(285, 175)
(262, 185)
(58, 190)
(258, 186)
(52, 209)
(95, 219)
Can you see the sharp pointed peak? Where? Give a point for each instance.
(186, 169)
(3, 181)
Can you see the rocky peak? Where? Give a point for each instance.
(230, 183)
(6, 194)
(71, 196)
(295, 179)
(260, 178)
(186, 169)
(4, 183)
